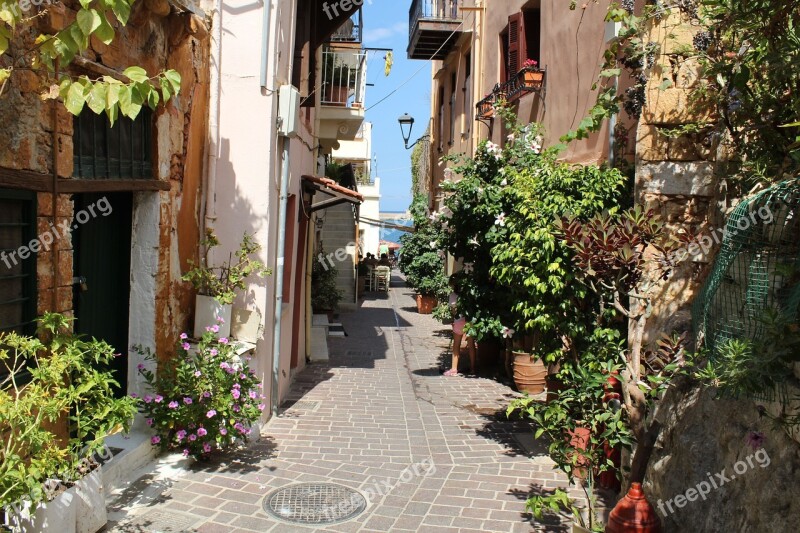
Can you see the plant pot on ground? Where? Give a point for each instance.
(530, 373)
(219, 284)
(426, 303)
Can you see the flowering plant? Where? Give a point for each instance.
(205, 401)
(530, 63)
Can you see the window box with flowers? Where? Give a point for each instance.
(531, 76)
(205, 401)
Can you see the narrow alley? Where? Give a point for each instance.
(430, 453)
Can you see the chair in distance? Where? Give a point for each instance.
(383, 277)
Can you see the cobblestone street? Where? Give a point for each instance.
(364, 420)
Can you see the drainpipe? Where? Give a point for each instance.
(212, 144)
(310, 234)
(276, 346)
(266, 29)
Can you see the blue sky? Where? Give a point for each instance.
(386, 26)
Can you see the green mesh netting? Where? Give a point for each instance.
(758, 268)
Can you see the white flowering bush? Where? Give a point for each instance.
(203, 401)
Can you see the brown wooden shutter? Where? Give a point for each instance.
(516, 45)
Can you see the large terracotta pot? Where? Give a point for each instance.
(608, 479)
(425, 304)
(633, 514)
(530, 374)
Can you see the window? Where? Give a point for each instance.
(468, 103)
(17, 274)
(441, 116)
(124, 151)
(452, 108)
(520, 41)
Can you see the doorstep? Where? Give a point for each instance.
(137, 452)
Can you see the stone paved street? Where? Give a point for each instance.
(364, 420)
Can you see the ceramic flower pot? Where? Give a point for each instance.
(530, 374)
(425, 304)
(207, 311)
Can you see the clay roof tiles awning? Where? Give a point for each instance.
(338, 193)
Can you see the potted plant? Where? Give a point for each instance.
(216, 286)
(57, 406)
(530, 372)
(338, 78)
(325, 295)
(578, 422)
(532, 75)
(206, 401)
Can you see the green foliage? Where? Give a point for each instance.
(67, 382)
(578, 422)
(325, 295)
(94, 19)
(204, 400)
(223, 281)
(422, 260)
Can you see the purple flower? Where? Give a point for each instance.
(147, 398)
(186, 346)
(213, 351)
(186, 452)
(230, 370)
(192, 437)
(187, 401)
(197, 373)
(134, 395)
(242, 376)
(260, 385)
(215, 328)
(211, 414)
(220, 320)
(237, 386)
(261, 407)
(206, 447)
(755, 439)
(201, 432)
(252, 394)
(155, 439)
(181, 435)
(158, 398)
(223, 431)
(235, 393)
(236, 408)
(184, 336)
(223, 340)
(140, 367)
(173, 404)
(149, 421)
(224, 366)
(206, 394)
(239, 427)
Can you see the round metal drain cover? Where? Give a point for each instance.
(314, 503)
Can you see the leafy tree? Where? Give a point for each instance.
(23, 47)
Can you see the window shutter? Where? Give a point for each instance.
(516, 44)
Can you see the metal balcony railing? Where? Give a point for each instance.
(344, 78)
(432, 9)
(434, 27)
(351, 31)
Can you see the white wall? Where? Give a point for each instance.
(371, 208)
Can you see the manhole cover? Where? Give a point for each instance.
(314, 503)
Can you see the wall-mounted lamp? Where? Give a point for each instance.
(406, 125)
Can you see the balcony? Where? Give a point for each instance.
(351, 31)
(528, 80)
(342, 86)
(434, 28)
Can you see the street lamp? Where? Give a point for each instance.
(406, 125)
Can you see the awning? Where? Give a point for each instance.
(335, 193)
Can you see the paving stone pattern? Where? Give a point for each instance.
(365, 419)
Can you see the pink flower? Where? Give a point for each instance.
(192, 437)
(224, 366)
(184, 336)
(235, 393)
(206, 394)
(252, 394)
(147, 398)
(134, 395)
(206, 447)
(186, 452)
(149, 421)
(158, 398)
(186, 346)
(220, 320)
(237, 386)
(187, 401)
(140, 367)
(181, 435)
(261, 407)
(211, 413)
(173, 404)
(223, 340)
(223, 431)
(201, 432)
(197, 373)
(155, 439)
(215, 328)
(236, 408)
(213, 351)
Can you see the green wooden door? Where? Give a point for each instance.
(102, 255)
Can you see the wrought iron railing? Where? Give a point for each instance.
(527, 80)
(344, 78)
